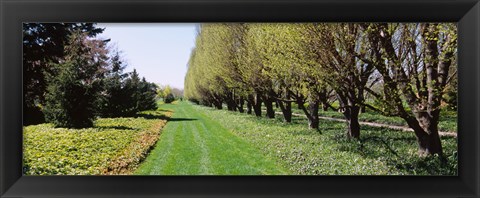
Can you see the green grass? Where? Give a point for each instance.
(193, 144)
(204, 141)
(89, 151)
(328, 152)
(448, 119)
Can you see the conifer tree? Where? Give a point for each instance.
(73, 91)
(113, 102)
(147, 95)
(131, 94)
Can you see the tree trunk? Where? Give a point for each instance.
(249, 106)
(286, 108)
(311, 113)
(257, 105)
(350, 111)
(313, 122)
(269, 105)
(427, 134)
(231, 106)
(240, 105)
(324, 106)
(431, 144)
(323, 99)
(218, 105)
(351, 115)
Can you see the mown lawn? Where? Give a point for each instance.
(304, 151)
(194, 144)
(112, 146)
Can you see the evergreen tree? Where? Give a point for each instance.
(73, 91)
(43, 43)
(147, 93)
(114, 97)
(131, 94)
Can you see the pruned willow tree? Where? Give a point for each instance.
(405, 70)
(414, 61)
(211, 74)
(291, 69)
(333, 45)
(251, 71)
(224, 69)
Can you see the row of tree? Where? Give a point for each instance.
(169, 94)
(71, 77)
(403, 70)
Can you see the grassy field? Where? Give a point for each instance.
(448, 119)
(328, 152)
(112, 146)
(199, 140)
(194, 144)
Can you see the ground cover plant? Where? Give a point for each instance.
(72, 77)
(305, 151)
(111, 146)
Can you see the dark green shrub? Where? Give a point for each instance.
(170, 98)
(147, 93)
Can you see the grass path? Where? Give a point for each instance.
(193, 144)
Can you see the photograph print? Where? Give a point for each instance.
(240, 99)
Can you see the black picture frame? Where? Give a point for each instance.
(14, 12)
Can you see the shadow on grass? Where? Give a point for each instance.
(114, 127)
(381, 141)
(181, 119)
(163, 117)
(150, 116)
(164, 110)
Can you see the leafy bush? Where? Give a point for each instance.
(169, 98)
(89, 151)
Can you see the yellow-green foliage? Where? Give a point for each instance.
(133, 154)
(89, 151)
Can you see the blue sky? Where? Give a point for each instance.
(159, 51)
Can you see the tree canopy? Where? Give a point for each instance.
(397, 69)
